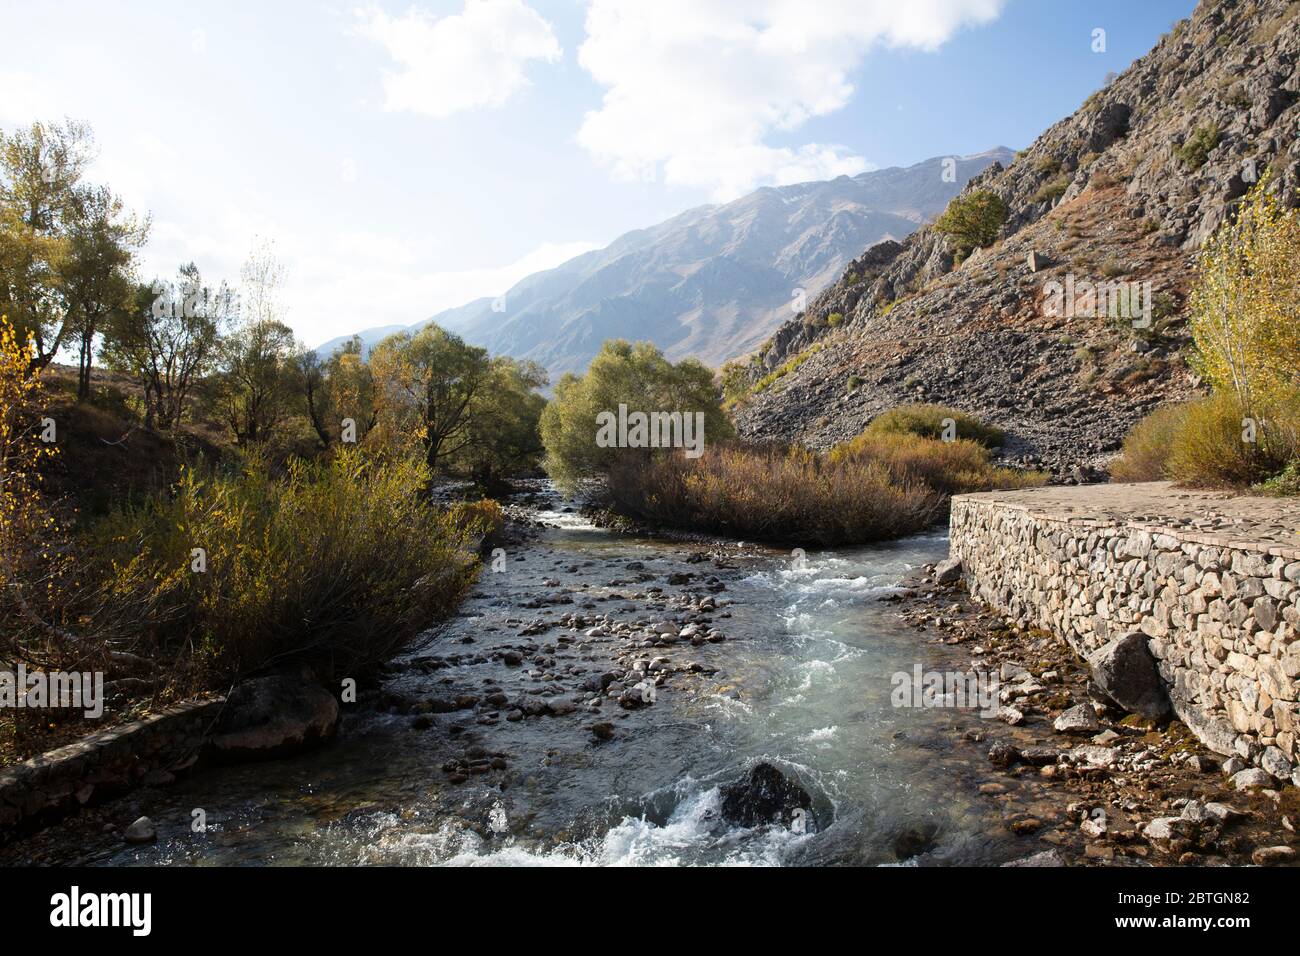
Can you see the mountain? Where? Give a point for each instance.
(1123, 191)
(712, 282)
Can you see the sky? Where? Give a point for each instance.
(406, 158)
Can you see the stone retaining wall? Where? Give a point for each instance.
(103, 765)
(1212, 581)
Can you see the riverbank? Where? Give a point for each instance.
(1204, 585)
(598, 698)
(1093, 785)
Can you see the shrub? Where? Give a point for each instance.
(1208, 449)
(1285, 483)
(1145, 454)
(973, 220)
(834, 319)
(338, 565)
(1196, 148)
(1203, 443)
(1052, 190)
(34, 563)
(949, 467)
(785, 368)
(772, 494)
(927, 421)
(880, 486)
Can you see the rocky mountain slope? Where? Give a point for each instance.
(712, 282)
(1123, 191)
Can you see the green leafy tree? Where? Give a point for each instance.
(41, 168)
(429, 383)
(622, 373)
(973, 220)
(96, 274)
(351, 384)
(255, 384)
(256, 381)
(168, 340)
(504, 436)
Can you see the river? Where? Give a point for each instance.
(802, 681)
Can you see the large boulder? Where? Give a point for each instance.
(765, 796)
(949, 571)
(273, 717)
(1125, 672)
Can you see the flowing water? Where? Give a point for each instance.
(803, 682)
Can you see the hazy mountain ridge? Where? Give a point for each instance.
(713, 281)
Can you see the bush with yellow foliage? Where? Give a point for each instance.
(1245, 322)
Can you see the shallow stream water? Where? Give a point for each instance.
(803, 681)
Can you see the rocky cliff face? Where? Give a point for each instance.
(1120, 195)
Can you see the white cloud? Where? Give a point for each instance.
(471, 60)
(696, 86)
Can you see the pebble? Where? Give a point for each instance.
(1272, 855)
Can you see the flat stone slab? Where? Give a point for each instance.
(1215, 518)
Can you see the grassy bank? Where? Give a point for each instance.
(886, 483)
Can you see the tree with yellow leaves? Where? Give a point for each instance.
(30, 566)
(1245, 308)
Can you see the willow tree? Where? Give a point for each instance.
(637, 377)
(431, 383)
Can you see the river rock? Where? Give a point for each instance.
(948, 572)
(1044, 858)
(141, 831)
(1010, 715)
(274, 716)
(765, 796)
(1272, 855)
(1077, 720)
(1252, 779)
(1002, 754)
(1165, 828)
(1125, 672)
(915, 840)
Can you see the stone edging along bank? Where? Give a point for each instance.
(104, 764)
(1212, 581)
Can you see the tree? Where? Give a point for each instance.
(257, 359)
(638, 377)
(309, 378)
(96, 273)
(430, 381)
(29, 562)
(1245, 305)
(351, 384)
(168, 340)
(973, 220)
(503, 422)
(40, 173)
(255, 381)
